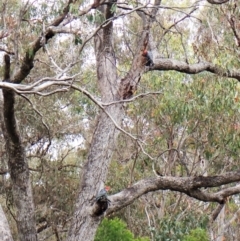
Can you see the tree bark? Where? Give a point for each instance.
(5, 233)
(181, 66)
(85, 222)
(17, 165)
(191, 186)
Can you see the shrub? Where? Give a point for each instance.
(115, 230)
(197, 234)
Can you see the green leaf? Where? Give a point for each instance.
(77, 40)
(113, 8)
(115, 229)
(90, 18)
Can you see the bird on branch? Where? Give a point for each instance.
(102, 201)
(149, 57)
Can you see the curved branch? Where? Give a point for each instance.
(24, 89)
(181, 66)
(188, 185)
(133, 98)
(217, 1)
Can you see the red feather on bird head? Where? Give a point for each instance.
(107, 188)
(144, 52)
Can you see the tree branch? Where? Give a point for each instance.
(216, 212)
(188, 185)
(130, 81)
(3, 172)
(6, 74)
(181, 66)
(27, 63)
(217, 1)
(232, 23)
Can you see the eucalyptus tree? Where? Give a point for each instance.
(30, 34)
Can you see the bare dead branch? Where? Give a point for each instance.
(58, 69)
(133, 98)
(58, 168)
(43, 122)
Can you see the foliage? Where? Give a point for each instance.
(191, 128)
(197, 234)
(115, 229)
(173, 229)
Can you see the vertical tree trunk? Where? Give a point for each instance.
(18, 166)
(221, 225)
(5, 233)
(85, 223)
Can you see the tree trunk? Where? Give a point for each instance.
(5, 233)
(85, 222)
(18, 166)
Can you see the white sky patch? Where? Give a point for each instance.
(127, 122)
(58, 147)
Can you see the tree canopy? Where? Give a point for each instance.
(142, 96)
